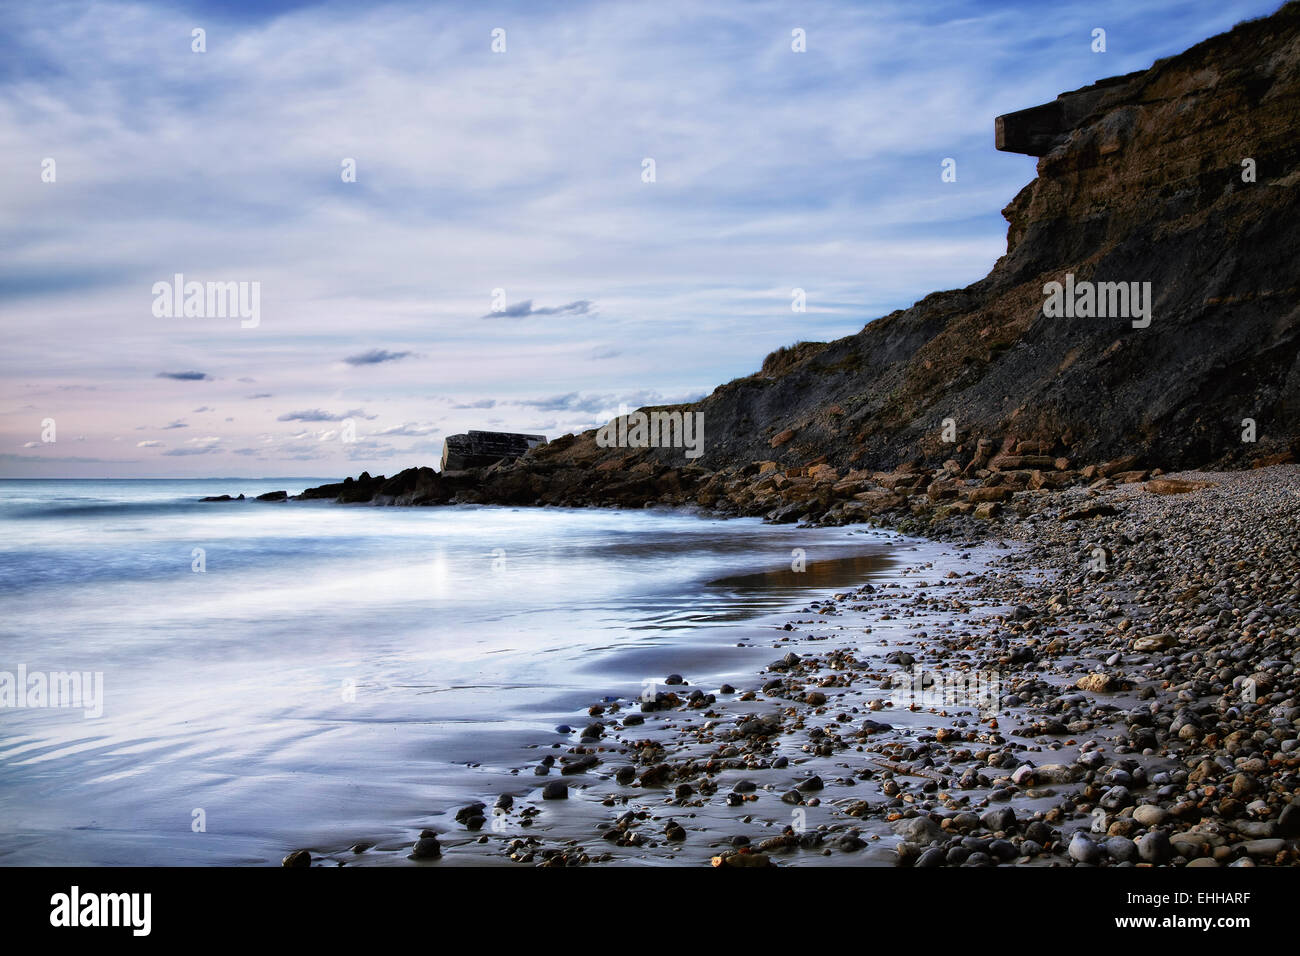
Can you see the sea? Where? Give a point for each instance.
(227, 681)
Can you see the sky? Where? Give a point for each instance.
(502, 258)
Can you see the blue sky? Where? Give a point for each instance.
(477, 171)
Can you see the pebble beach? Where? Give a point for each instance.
(1104, 677)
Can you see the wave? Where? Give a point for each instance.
(100, 508)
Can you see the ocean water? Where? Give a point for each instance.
(288, 674)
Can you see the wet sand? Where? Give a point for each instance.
(695, 740)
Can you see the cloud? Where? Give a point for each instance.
(529, 180)
(70, 459)
(375, 357)
(181, 452)
(261, 395)
(524, 309)
(593, 403)
(148, 444)
(176, 424)
(410, 428)
(316, 415)
(569, 402)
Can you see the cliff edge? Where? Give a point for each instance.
(1180, 181)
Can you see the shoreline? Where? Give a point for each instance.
(1149, 711)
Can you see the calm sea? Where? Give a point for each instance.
(280, 674)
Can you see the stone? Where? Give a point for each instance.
(1150, 815)
(1174, 486)
(742, 858)
(1154, 642)
(999, 819)
(426, 848)
(1264, 848)
(1083, 850)
(1121, 849)
(1088, 511)
(1154, 847)
(1116, 798)
(931, 857)
(919, 829)
(469, 812)
(1095, 683)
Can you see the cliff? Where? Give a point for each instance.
(1183, 176)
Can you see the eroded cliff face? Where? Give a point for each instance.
(1146, 185)
(1140, 180)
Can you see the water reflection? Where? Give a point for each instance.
(842, 572)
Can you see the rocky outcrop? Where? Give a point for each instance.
(1040, 129)
(1184, 176)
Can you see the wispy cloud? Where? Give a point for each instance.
(184, 376)
(409, 428)
(375, 357)
(524, 309)
(317, 415)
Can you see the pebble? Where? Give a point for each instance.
(1150, 815)
(426, 848)
(1154, 847)
(1083, 850)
